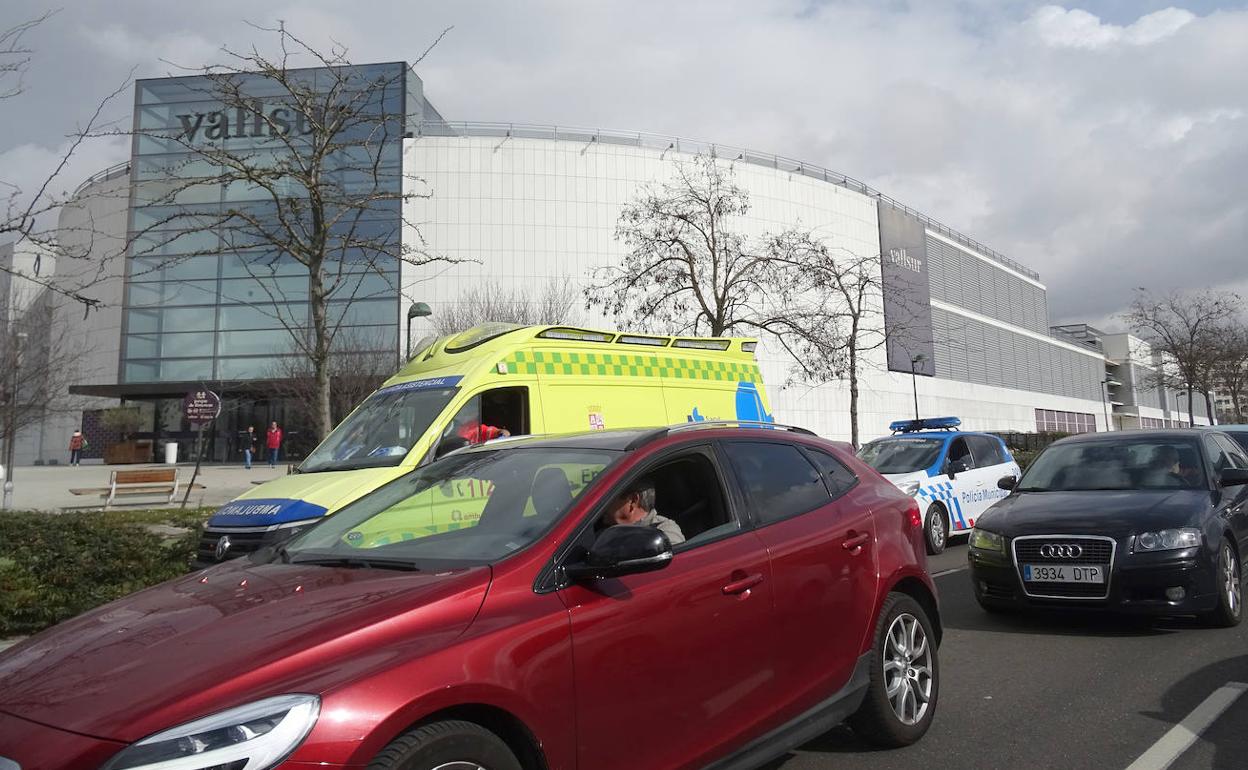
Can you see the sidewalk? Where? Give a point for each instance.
(46, 488)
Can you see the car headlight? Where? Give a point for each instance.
(252, 737)
(983, 540)
(1168, 540)
(909, 487)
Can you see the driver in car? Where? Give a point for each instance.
(636, 506)
(1166, 459)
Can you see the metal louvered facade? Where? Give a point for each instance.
(985, 288)
(968, 350)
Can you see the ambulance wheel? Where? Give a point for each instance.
(936, 529)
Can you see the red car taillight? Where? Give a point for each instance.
(915, 515)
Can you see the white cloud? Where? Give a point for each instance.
(1103, 155)
(1076, 28)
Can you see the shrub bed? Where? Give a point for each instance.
(56, 566)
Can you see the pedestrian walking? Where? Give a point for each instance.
(274, 443)
(249, 446)
(77, 443)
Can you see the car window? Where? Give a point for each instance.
(838, 478)
(1239, 437)
(472, 508)
(959, 451)
(986, 450)
(1126, 463)
(1217, 455)
(1234, 452)
(902, 454)
(779, 481)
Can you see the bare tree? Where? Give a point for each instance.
(1185, 328)
(309, 203)
(38, 362)
(1230, 369)
(28, 213)
(687, 271)
(358, 365)
(554, 303)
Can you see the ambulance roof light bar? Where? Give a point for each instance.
(927, 423)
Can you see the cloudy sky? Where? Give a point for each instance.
(1100, 143)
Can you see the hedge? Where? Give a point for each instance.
(56, 566)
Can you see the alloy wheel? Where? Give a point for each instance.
(458, 765)
(936, 524)
(1231, 583)
(907, 660)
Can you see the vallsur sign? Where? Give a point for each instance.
(201, 406)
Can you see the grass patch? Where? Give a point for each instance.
(56, 566)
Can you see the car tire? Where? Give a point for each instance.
(890, 714)
(1229, 579)
(455, 744)
(936, 529)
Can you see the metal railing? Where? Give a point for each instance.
(690, 146)
(112, 172)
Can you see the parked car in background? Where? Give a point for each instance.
(764, 581)
(1139, 521)
(952, 474)
(1237, 432)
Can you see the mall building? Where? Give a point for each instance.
(524, 205)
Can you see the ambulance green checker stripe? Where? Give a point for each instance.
(623, 365)
(420, 532)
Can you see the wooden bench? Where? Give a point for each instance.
(158, 481)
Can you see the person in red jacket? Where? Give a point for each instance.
(77, 443)
(274, 443)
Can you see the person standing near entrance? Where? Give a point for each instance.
(77, 443)
(249, 446)
(274, 443)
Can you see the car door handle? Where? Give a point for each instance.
(742, 585)
(855, 542)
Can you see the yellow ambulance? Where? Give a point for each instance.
(492, 381)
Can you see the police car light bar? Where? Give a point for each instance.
(927, 423)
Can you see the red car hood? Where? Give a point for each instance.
(227, 636)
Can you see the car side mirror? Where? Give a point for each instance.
(625, 549)
(1007, 482)
(1233, 477)
(957, 466)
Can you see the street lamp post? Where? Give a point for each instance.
(914, 380)
(12, 442)
(1105, 402)
(417, 310)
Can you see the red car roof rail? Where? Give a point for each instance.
(659, 433)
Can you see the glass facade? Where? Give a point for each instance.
(209, 296)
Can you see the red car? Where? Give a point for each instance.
(700, 596)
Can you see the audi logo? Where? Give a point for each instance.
(1050, 551)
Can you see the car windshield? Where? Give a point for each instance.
(467, 508)
(381, 431)
(901, 455)
(1118, 465)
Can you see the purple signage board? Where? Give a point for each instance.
(201, 406)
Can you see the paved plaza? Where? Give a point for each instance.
(46, 488)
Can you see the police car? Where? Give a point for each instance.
(951, 473)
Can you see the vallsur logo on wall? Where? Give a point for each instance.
(254, 121)
(898, 256)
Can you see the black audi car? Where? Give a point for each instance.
(1134, 521)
